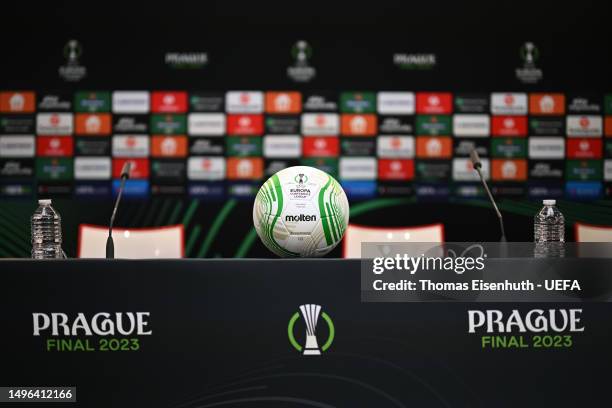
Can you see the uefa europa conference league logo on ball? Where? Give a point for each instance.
(102, 331)
(310, 315)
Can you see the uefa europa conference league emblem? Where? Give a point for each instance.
(310, 314)
(73, 71)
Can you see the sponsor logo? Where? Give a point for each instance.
(130, 146)
(395, 147)
(168, 146)
(546, 170)
(301, 71)
(94, 124)
(584, 148)
(54, 169)
(395, 169)
(608, 125)
(210, 191)
(130, 124)
(139, 170)
(282, 146)
(584, 125)
(17, 124)
(167, 188)
(394, 189)
(206, 168)
(546, 104)
(396, 103)
(284, 125)
(472, 103)
(471, 125)
(283, 102)
(320, 102)
(17, 102)
(358, 168)
(357, 146)
(72, 71)
(328, 165)
(87, 146)
(201, 146)
(529, 73)
(464, 171)
(186, 60)
(169, 102)
(300, 218)
(359, 190)
(509, 126)
(206, 102)
(244, 168)
(509, 169)
(463, 147)
(358, 102)
(431, 147)
(17, 168)
(244, 146)
(169, 124)
(10, 189)
(17, 146)
(608, 170)
(206, 124)
(55, 189)
(92, 102)
(541, 126)
(92, 168)
(55, 102)
(423, 61)
(132, 189)
(544, 191)
(583, 170)
(396, 124)
(432, 192)
(168, 171)
(54, 123)
(508, 103)
(320, 124)
(245, 125)
(608, 104)
(584, 104)
(433, 125)
(320, 146)
(244, 102)
(272, 166)
(56, 146)
(546, 148)
(359, 125)
(434, 103)
(131, 102)
(583, 190)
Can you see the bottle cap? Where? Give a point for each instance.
(549, 202)
(45, 202)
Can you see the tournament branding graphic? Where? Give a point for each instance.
(131, 102)
(92, 102)
(471, 125)
(130, 146)
(546, 104)
(17, 102)
(94, 124)
(17, 124)
(139, 170)
(17, 146)
(464, 171)
(396, 103)
(546, 170)
(320, 102)
(72, 71)
(130, 123)
(508, 169)
(244, 125)
(206, 102)
(415, 61)
(584, 125)
(54, 146)
(359, 125)
(54, 123)
(583, 170)
(244, 102)
(547, 126)
(471, 103)
(206, 168)
(431, 147)
(508, 103)
(358, 102)
(168, 146)
(282, 124)
(433, 125)
(584, 148)
(546, 148)
(358, 168)
(92, 168)
(529, 73)
(54, 102)
(321, 146)
(169, 102)
(277, 146)
(168, 124)
(186, 60)
(17, 167)
(244, 146)
(250, 168)
(395, 169)
(99, 332)
(301, 71)
(283, 102)
(395, 147)
(396, 124)
(206, 124)
(310, 314)
(434, 103)
(509, 126)
(320, 124)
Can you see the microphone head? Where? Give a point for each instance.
(125, 171)
(475, 158)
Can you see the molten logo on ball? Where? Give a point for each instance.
(301, 211)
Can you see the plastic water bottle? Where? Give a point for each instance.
(549, 231)
(46, 226)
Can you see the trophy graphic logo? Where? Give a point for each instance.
(301, 71)
(73, 71)
(529, 73)
(301, 178)
(310, 313)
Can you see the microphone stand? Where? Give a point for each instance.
(110, 245)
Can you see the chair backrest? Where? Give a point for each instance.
(356, 234)
(132, 243)
(592, 233)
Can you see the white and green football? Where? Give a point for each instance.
(301, 211)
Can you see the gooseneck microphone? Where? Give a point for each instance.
(110, 245)
(477, 166)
